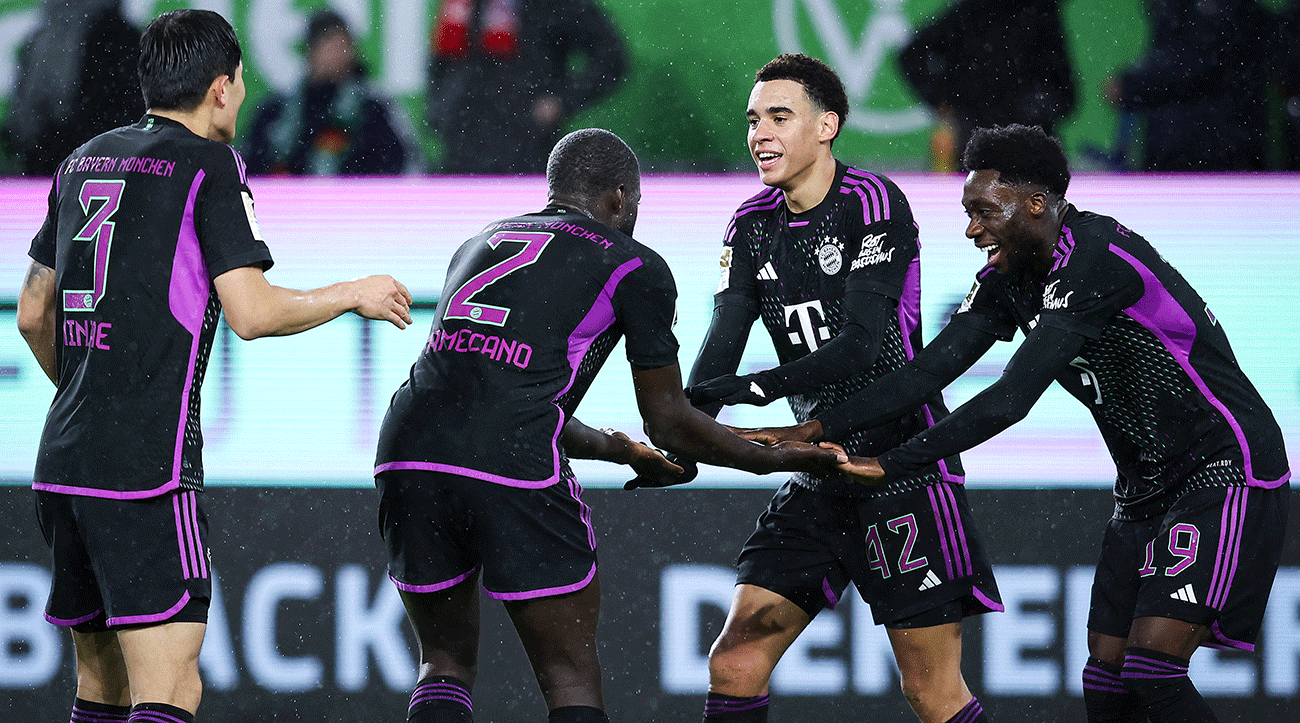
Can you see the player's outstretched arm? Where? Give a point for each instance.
(652, 468)
(254, 308)
(674, 425)
(36, 319)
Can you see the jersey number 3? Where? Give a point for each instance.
(99, 231)
(461, 304)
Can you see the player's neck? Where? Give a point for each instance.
(810, 187)
(198, 121)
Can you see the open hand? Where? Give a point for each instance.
(383, 298)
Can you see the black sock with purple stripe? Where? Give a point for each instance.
(1160, 682)
(86, 711)
(971, 713)
(1105, 696)
(159, 713)
(729, 708)
(440, 699)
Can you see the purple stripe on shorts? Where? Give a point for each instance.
(69, 622)
(546, 592)
(575, 490)
(987, 601)
(1161, 314)
(1231, 525)
(155, 617)
(164, 488)
(831, 598)
(964, 564)
(471, 473)
(943, 538)
(1223, 642)
(198, 535)
(435, 587)
(180, 535)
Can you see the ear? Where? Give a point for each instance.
(828, 126)
(1036, 203)
(218, 89)
(615, 201)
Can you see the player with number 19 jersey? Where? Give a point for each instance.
(531, 309)
(136, 307)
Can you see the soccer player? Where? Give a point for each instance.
(827, 256)
(472, 468)
(150, 235)
(1189, 556)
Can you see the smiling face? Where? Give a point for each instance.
(1001, 220)
(788, 135)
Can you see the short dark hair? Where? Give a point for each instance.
(1020, 154)
(322, 22)
(819, 81)
(181, 53)
(589, 162)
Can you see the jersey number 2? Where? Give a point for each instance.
(461, 304)
(99, 231)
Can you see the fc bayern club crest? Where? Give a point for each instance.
(830, 257)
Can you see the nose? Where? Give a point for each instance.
(974, 229)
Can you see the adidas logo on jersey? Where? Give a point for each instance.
(767, 273)
(1185, 594)
(931, 580)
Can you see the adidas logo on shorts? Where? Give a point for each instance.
(1185, 594)
(931, 580)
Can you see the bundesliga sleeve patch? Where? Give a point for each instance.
(252, 217)
(725, 263)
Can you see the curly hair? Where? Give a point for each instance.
(1020, 154)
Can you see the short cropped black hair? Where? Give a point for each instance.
(1020, 154)
(819, 81)
(591, 161)
(181, 53)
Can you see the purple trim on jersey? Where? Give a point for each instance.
(154, 618)
(1231, 528)
(1095, 678)
(1223, 642)
(188, 298)
(435, 587)
(988, 602)
(1064, 249)
(164, 488)
(69, 622)
(471, 473)
(1161, 314)
(794, 224)
(440, 691)
(952, 534)
(239, 163)
(875, 197)
(765, 201)
(546, 591)
(831, 598)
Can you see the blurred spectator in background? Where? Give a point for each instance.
(505, 75)
(1290, 75)
(333, 123)
(990, 63)
(1200, 90)
(76, 78)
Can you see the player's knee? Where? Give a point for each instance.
(930, 686)
(735, 667)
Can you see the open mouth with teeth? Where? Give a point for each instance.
(993, 251)
(766, 158)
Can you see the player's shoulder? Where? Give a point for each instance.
(762, 203)
(876, 195)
